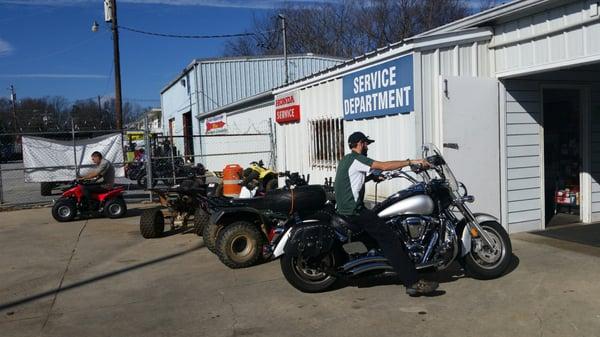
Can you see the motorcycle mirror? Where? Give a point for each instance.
(466, 193)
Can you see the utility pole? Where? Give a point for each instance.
(285, 58)
(117, 60)
(13, 99)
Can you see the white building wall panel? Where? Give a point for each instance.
(220, 151)
(595, 151)
(563, 35)
(294, 141)
(524, 167)
(176, 101)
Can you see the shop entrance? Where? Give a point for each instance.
(562, 113)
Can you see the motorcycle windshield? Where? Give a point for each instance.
(432, 150)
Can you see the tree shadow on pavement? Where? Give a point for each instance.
(100, 277)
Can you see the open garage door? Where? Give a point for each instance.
(470, 135)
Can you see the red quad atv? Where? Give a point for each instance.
(109, 203)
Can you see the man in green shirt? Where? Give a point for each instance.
(349, 187)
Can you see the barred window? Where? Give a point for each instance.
(327, 142)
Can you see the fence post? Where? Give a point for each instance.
(173, 163)
(74, 147)
(273, 145)
(1, 186)
(148, 152)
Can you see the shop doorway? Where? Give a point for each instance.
(562, 113)
(188, 138)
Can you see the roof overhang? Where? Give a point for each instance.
(261, 98)
(517, 7)
(415, 44)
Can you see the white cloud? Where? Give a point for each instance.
(209, 3)
(5, 48)
(66, 76)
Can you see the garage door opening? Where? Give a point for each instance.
(562, 155)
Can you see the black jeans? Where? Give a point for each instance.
(393, 249)
(88, 189)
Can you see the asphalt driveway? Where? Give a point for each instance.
(101, 278)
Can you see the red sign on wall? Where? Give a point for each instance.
(287, 109)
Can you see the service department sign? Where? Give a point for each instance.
(384, 89)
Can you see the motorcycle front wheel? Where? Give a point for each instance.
(305, 276)
(490, 263)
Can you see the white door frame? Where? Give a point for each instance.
(585, 179)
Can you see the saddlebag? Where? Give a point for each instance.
(311, 239)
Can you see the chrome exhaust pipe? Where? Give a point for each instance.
(370, 267)
(360, 261)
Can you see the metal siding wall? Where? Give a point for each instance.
(523, 150)
(175, 102)
(529, 42)
(294, 141)
(252, 120)
(595, 152)
(223, 82)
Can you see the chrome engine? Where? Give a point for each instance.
(421, 237)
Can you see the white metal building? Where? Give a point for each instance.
(209, 84)
(511, 95)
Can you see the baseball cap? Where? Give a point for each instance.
(358, 137)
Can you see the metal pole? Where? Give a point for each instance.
(74, 147)
(148, 152)
(285, 57)
(173, 163)
(117, 60)
(13, 99)
(1, 187)
(273, 161)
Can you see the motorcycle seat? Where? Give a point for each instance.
(344, 226)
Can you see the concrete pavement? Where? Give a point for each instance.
(101, 278)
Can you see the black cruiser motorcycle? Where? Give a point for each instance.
(431, 218)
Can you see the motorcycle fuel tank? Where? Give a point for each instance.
(417, 204)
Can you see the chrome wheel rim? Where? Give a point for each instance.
(487, 257)
(114, 209)
(64, 211)
(305, 272)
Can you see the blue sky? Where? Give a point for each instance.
(47, 47)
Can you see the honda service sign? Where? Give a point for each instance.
(383, 89)
(287, 108)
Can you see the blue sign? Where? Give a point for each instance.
(384, 89)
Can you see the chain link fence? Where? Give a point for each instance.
(61, 156)
(169, 159)
(149, 160)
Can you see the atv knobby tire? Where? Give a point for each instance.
(201, 218)
(64, 209)
(152, 223)
(209, 235)
(240, 245)
(115, 208)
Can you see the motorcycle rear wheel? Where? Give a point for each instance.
(487, 264)
(306, 278)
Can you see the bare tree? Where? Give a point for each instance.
(346, 29)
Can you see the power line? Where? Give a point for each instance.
(190, 36)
